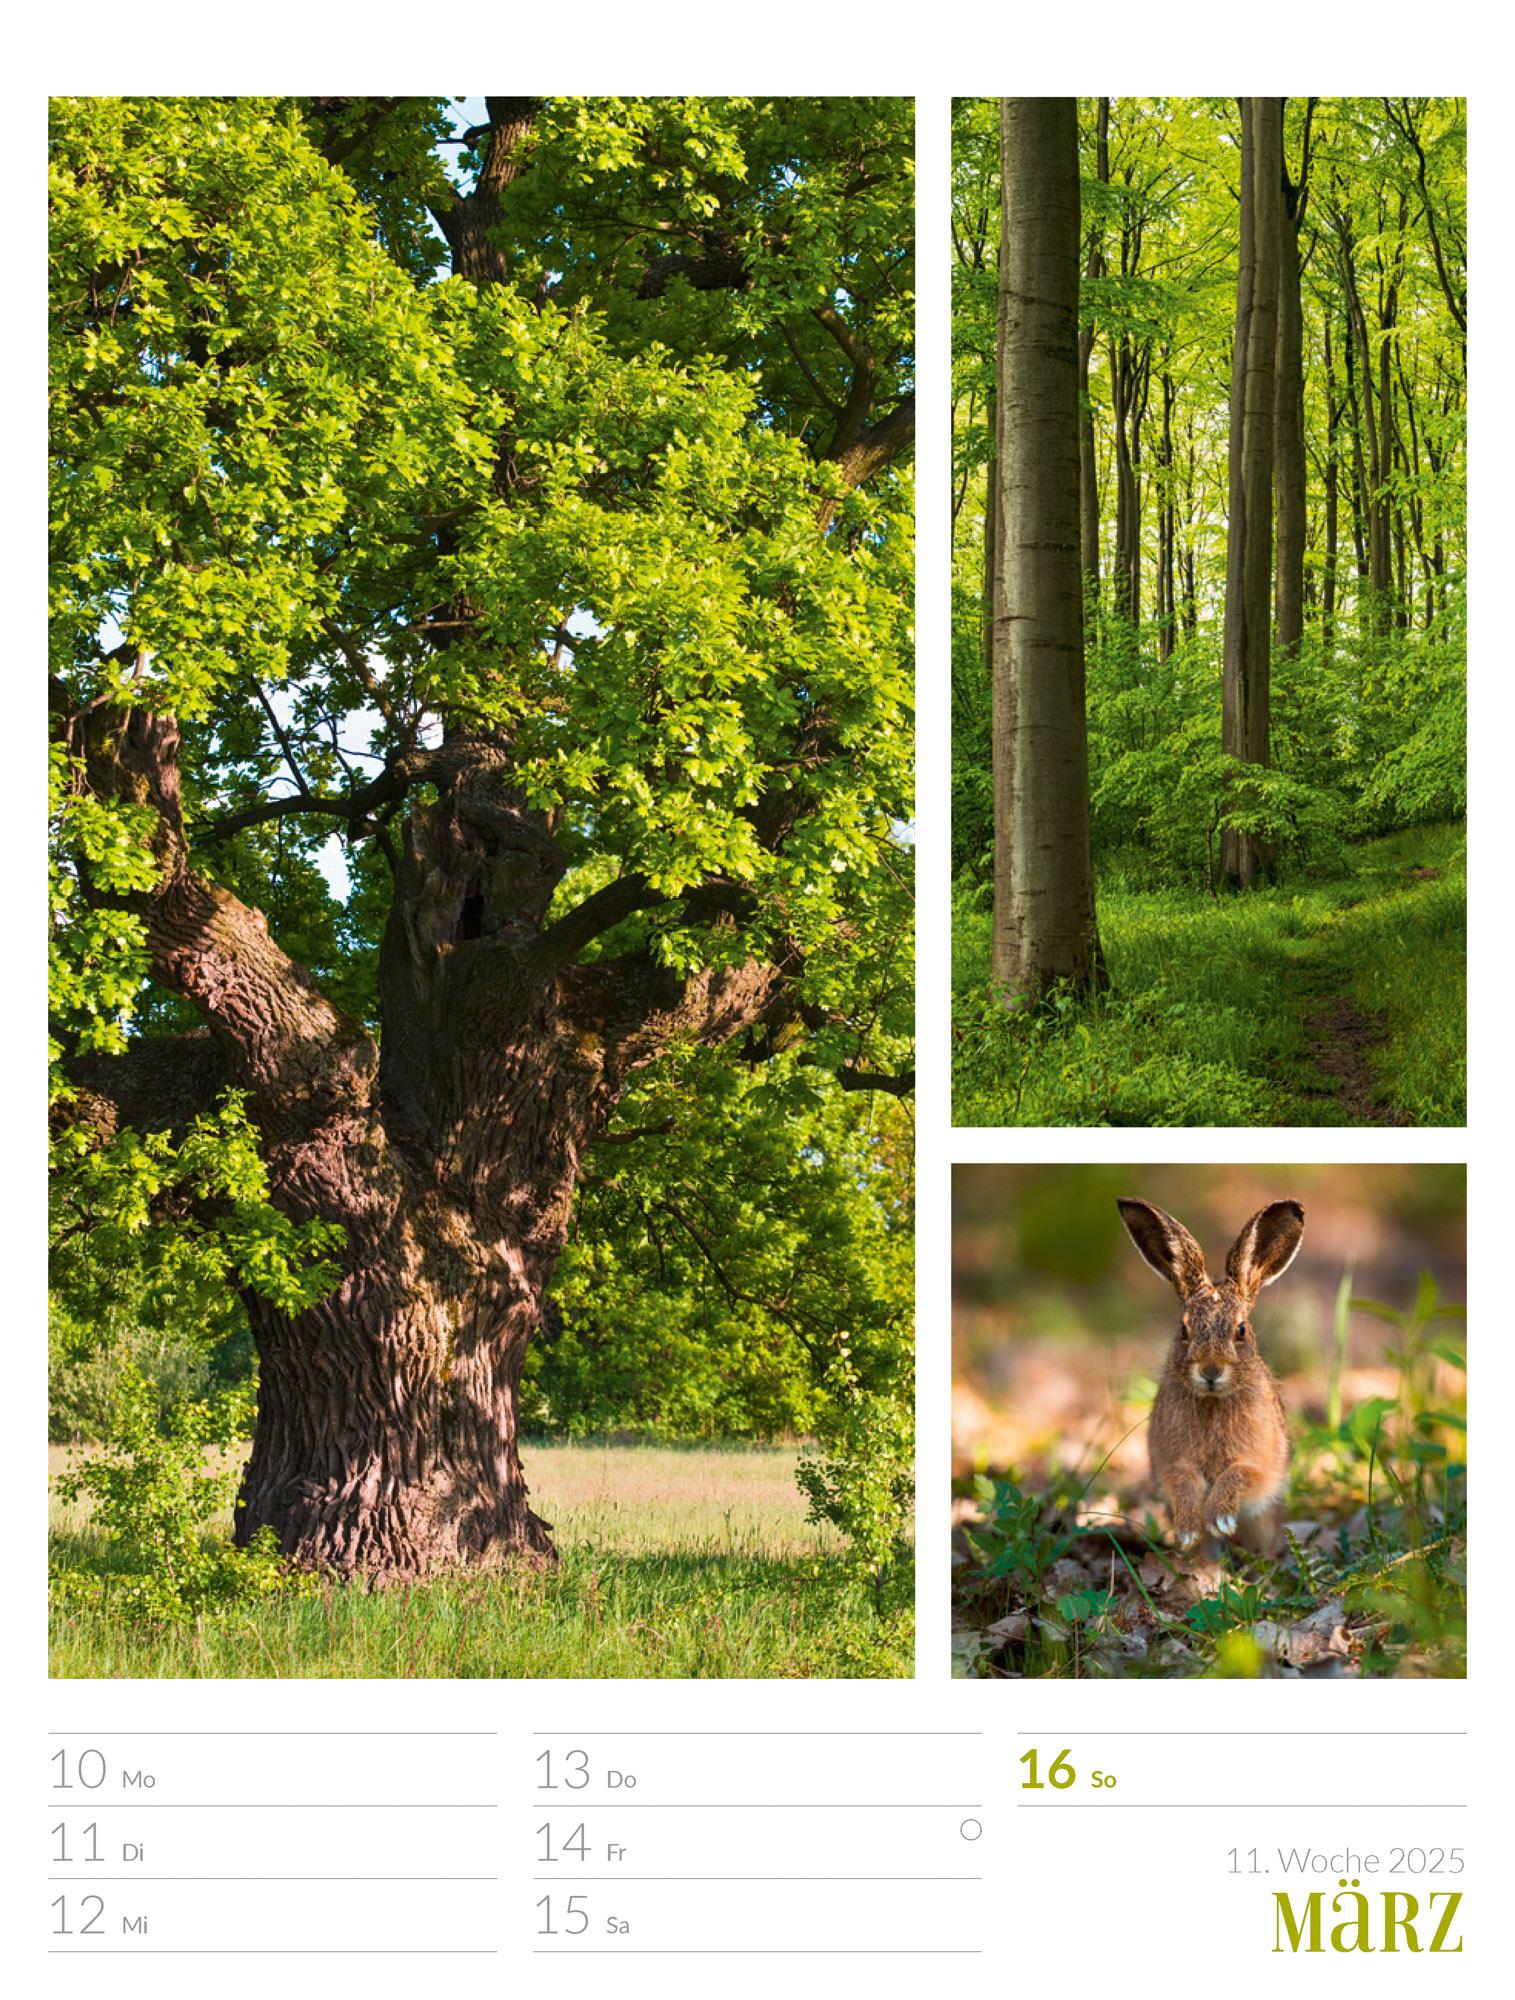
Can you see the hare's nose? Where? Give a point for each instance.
(1211, 1375)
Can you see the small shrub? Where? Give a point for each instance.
(155, 1485)
(864, 1483)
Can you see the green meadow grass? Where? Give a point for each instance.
(687, 1563)
(1218, 1008)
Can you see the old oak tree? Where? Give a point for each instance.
(525, 506)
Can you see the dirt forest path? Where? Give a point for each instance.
(1340, 1083)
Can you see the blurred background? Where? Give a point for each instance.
(1060, 1330)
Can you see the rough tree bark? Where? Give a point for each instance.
(1249, 538)
(386, 1430)
(386, 1442)
(1044, 928)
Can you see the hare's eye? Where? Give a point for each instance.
(1242, 1330)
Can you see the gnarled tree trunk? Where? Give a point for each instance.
(386, 1440)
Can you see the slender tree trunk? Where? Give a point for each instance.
(1044, 927)
(986, 597)
(1289, 417)
(1166, 529)
(1358, 484)
(1088, 466)
(1129, 373)
(1372, 475)
(1249, 540)
(1328, 581)
(1416, 508)
(1191, 597)
(1393, 444)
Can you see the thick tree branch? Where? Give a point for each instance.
(280, 1037)
(157, 1083)
(470, 222)
(879, 444)
(638, 1007)
(562, 941)
(718, 267)
(851, 1077)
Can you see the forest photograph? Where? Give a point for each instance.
(1209, 1421)
(481, 996)
(1209, 611)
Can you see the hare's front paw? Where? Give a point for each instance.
(1188, 1533)
(1223, 1525)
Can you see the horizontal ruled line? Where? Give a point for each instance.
(270, 1805)
(1239, 1805)
(576, 1733)
(1241, 1732)
(272, 1951)
(753, 1805)
(85, 1731)
(80, 1880)
(755, 1951)
(564, 1881)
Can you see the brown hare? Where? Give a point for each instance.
(1219, 1436)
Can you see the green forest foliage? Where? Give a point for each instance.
(1369, 714)
(282, 437)
(1369, 719)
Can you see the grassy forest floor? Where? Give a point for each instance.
(1338, 999)
(682, 1562)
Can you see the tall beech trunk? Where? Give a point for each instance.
(1088, 466)
(1044, 928)
(1167, 518)
(1289, 414)
(1191, 595)
(1249, 538)
(1372, 471)
(986, 593)
(1331, 478)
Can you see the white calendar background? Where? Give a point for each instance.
(261, 1837)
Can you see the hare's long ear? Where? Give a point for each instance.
(1265, 1249)
(1166, 1245)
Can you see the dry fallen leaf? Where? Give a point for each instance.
(1062, 1578)
(966, 1648)
(1009, 1631)
(1321, 1636)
